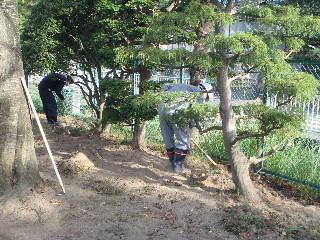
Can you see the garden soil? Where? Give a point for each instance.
(114, 192)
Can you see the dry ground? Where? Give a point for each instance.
(120, 193)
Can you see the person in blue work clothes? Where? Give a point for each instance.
(53, 82)
(177, 150)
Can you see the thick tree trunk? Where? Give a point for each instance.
(106, 129)
(139, 134)
(241, 175)
(99, 114)
(239, 162)
(18, 162)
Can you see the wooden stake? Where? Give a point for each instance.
(42, 133)
(204, 153)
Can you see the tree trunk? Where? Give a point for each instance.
(139, 132)
(239, 162)
(106, 129)
(195, 73)
(18, 162)
(195, 76)
(99, 114)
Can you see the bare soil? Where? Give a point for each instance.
(114, 192)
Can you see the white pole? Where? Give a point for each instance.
(42, 133)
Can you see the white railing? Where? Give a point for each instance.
(309, 108)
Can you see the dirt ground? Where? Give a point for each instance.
(115, 192)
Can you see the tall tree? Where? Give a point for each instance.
(259, 50)
(275, 31)
(18, 162)
(83, 35)
(132, 19)
(64, 36)
(186, 23)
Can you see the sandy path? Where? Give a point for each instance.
(129, 195)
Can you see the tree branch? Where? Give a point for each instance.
(288, 55)
(210, 129)
(236, 56)
(242, 75)
(275, 149)
(267, 132)
(207, 156)
(172, 5)
(284, 103)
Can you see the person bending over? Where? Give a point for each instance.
(53, 82)
(177, 150)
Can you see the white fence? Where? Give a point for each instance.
(158, 78)
(310, 110)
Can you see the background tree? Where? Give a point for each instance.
(186, 24)
(307, 7)
(133, 19)
(259, 50)
(312, 48)
(174, 23)
(80, 37)
(275, 31)
(18, 162)
(62, 36)
(127, 109)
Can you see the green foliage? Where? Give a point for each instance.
(314, 54)
(287, 24)
(24, 9)
(154, 138)
(248, 47)
(285, 21)
(308, 7)
(59, 34)
(300, 161)
(152, 57)
(117, 108)
(123, 107)
(151, 86)
(196, 114)
(181, 26)
(293, 84)
(267, 119)
(65, 109)
(145, 106)
(34, 92)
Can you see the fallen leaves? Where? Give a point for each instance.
(167, 215)
(55, 201)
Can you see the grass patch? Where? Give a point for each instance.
(121, 133)
(153, 135)
(301, 161)
(251, 223)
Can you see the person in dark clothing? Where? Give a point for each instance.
(53, 82)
